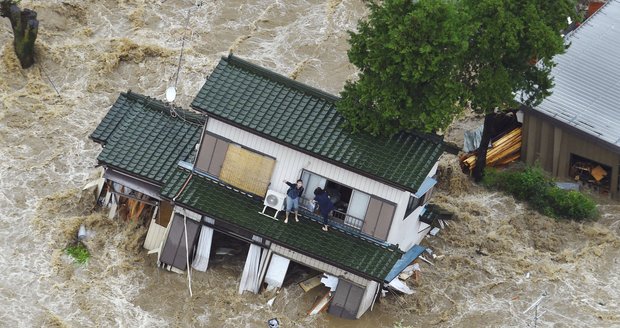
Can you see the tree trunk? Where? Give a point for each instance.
(25, 28)
(494, 123)
(481, 157)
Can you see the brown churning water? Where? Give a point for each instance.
(92, 50)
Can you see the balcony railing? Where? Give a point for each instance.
(348, 220)
(339, 220)
(353, 223)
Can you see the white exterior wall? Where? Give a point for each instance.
(319, 265)
(154, 236)
(290, 163)
(368, 298)
(406, 233)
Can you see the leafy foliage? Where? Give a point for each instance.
(409, 53)
(421, 61)
(510, 36)
(79, 252)
(533, 186)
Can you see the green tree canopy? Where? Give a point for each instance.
(511, 36)
(421, 61)
(409, 54)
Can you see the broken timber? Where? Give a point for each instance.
(503, 151)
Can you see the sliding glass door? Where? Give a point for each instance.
(311, 182)
(357, 209)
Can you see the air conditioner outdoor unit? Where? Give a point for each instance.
(274, 200)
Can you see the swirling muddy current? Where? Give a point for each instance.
(495, 258)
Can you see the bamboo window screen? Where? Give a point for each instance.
(247, 170)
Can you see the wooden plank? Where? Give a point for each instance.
(320, 305)
(165, 213)
(311, 283)
(502, 148)
(154, 236)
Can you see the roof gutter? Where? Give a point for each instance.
(133, 175)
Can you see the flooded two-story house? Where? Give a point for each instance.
(219, 169)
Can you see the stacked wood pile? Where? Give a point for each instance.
(504, 150)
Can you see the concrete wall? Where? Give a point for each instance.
(551, 146)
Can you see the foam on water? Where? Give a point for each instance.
(92, 50)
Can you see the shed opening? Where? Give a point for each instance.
(591, 174)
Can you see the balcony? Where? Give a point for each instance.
(339, 220)
(239, 213)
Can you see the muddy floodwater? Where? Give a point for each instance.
(496, 258)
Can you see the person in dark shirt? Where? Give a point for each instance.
(325, 205)
(293, 194)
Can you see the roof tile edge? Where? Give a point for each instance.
(236, 61)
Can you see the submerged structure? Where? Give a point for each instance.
(575, 132)
(219, 169)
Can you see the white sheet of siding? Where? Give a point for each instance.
(368, 298)
(154, 236)
(319, 265)
(290, 163)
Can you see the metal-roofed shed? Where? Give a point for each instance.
(580, 121)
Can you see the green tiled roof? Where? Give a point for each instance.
(210, 198)
(304, 118)
(144, 137)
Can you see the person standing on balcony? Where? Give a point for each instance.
(325, 205)
(293, 194)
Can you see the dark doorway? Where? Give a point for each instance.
(228, 252)
(339, 195)
(590, 173)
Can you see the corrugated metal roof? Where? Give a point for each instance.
(586, 94)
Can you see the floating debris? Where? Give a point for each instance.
(504, 150)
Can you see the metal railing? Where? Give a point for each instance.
(352, 223)
(349, 220)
